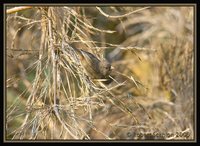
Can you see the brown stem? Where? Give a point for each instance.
(17, 9)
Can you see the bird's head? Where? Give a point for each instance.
(105, 68)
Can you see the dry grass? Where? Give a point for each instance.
(50, 96)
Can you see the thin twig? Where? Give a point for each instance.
(120, 16)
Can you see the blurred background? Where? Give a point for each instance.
(151, 47)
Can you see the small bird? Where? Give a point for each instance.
(95, 68)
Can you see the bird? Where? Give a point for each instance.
(95, 68)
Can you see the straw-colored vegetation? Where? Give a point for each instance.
(49, 94)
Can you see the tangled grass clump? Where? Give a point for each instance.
(51, 96)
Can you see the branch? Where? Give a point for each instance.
(17, 9)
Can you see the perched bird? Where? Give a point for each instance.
(102, 69)
(95, 68)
